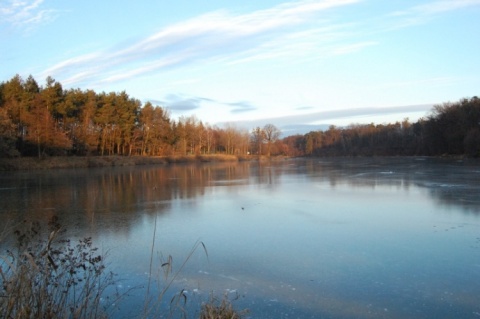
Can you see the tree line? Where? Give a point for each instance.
(449, 129)
(48, 120)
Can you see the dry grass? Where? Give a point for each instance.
(52, 278)
(33, 163)
(154, 307)
(217, 158)
(220, 309)
(45, 276)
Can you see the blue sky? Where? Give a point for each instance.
(289, 63)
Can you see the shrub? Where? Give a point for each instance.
(53, 278)
(220, 309)
(48, 276)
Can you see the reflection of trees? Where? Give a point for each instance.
(448, 181)
(110, 199)
(116, 199)
(451, 195)
(267, 173)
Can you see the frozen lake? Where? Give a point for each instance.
(300, 238)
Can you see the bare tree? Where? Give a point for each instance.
(272, 133)
(258, 138)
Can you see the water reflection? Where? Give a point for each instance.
(448, 181)
(365, 238)
(99, 193)
(124, 191)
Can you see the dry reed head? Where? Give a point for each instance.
(221, 309)
(49, 277)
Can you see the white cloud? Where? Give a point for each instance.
(79, 60)
(294, 31)
(215, 36)
(312, 119)
(423, 13)
(444, 6)
(25, 14)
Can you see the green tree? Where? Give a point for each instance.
(156, 130)
(181, 136)
(53, 96)
(86, 131)
(41, 130)
(128, 109)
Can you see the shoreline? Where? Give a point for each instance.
(68, 162)
(71, 162)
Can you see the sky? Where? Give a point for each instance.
(299, 65)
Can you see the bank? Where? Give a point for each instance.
(34, 163)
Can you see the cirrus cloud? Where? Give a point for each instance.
(212, 37)
(26, 14)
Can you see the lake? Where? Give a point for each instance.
(297, 238)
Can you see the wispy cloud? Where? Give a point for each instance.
(425, 82)
(182, 102)
(25, 14)
(325, 117)
(241, 107)
(423, 13)
(295, 31)
(215, 36)
(437, 7)
(300, 45)
(179, 102)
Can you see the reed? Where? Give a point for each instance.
(154, 305)
(49, 276)
(53, 277)
(63, 162)
(221, 309)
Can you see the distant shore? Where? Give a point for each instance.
(34, 163)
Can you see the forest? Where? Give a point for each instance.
(47, 120)
(451, 129)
